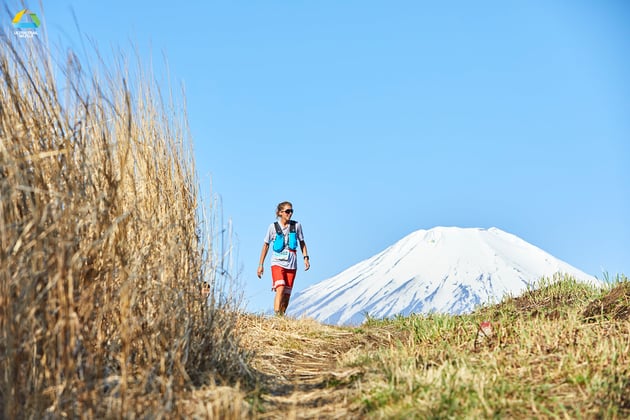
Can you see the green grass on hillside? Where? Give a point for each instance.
(561, 349)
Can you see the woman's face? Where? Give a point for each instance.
(286, 213)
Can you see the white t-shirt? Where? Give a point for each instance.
(285, 259)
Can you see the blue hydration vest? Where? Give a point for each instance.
(278, 243)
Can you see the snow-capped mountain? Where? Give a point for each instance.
(444, 269)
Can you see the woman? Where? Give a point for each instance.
(285, 235)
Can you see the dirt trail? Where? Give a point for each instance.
(300, 363)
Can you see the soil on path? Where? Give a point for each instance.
(302, 367)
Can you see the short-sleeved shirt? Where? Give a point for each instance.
(290, 262)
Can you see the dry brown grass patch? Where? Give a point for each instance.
(302, 366)
(615, 305)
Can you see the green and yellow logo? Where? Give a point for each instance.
(25, 23)
(25, 19)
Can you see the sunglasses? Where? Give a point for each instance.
(287, 211)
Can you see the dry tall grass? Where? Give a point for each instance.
(101, 252)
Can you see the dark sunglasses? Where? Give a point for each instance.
(287, 211)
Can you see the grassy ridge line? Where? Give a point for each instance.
(101, 253)
(546, 356)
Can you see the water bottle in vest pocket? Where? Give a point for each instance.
(278, 243)
(292, 241)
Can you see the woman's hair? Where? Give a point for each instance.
(281, 205)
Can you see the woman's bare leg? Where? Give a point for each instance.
(284, 303)
(277, 303)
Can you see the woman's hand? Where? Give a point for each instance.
(263, 254)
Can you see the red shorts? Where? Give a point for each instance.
(282, 277)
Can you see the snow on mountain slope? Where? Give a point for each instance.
(444, 269)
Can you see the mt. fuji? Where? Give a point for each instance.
(444, 270)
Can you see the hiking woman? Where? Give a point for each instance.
(284, 236)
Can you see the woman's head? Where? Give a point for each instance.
(284, 208)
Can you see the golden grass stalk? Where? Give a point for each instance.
(101, 251)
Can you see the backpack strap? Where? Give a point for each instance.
(278, 228)
(292, 224)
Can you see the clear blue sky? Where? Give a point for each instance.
(379, 118)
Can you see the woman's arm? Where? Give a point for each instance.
(263, 255)
(307, 262)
